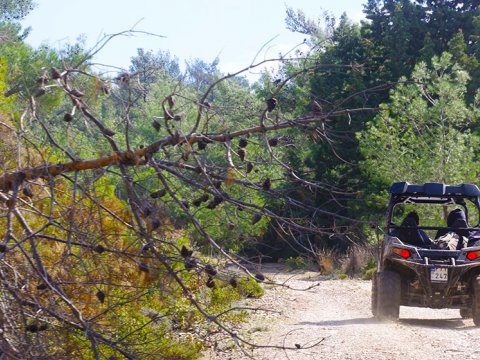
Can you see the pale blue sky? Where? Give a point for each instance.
(233, 30)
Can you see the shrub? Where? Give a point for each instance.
(250, 288)
(294, 263)
(368, 269)
(326, 261)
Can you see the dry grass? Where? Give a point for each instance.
(326, 259)
(352, 263)
(356, 259)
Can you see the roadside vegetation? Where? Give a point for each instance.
(137, 206)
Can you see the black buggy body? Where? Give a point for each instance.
(426, 276)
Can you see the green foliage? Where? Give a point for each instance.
(369, 269)
(6, 103)
(15, 9)
(295, 263)
(461, 55)
(222, 297)
(250, 288)
(421, 135)
(397, 35)
(152, 338)
(426, 131)
(297, 21)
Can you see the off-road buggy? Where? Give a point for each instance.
(426, 276)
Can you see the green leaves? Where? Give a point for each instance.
(422, 133)
(15, 9)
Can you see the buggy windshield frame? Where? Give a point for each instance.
(432, 193)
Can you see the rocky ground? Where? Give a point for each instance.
(332, 320)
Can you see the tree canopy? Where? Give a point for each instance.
(15, 9)
(421, 134)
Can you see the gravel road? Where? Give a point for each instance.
(337, 313)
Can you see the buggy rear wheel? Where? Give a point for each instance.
(466, 313)
(374, 294)
(388, 295)
(476, 301)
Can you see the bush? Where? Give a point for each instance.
(326, 261)
(368, 269)
(250, 288)
(294, 263)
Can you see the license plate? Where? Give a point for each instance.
(439, 274)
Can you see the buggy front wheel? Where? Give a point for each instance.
(388, 295)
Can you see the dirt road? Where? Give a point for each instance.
(338, 311)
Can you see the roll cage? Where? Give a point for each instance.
(432, 193)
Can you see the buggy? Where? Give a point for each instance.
(425, 276)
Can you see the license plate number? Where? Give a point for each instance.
(439, 274)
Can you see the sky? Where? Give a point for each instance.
(235, 31)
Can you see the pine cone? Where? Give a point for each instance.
(158, 194)
(210, 270)
(267, 184)
(156, 125)
(100, 296)
(273, 142)
(56, 74)
(256, 218)
(241, 154)
(271, 104)
(67, 117)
